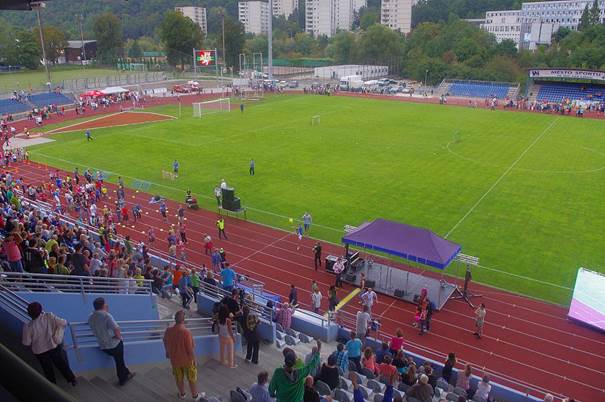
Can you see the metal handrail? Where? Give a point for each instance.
(139, 331)
(69, 283)
(14, 303)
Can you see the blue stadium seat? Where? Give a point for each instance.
(49, 98)
(10, 106)
(471, 89)
(557, 92)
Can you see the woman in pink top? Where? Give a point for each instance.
(368, 360)
(284, 316)
(13, 253)
(396, 343)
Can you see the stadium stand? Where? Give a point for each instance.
(49, 98)
(558, 92)
(11, 106)
(133, 305)
(479, 89)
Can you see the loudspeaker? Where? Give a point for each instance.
(399, 293)
(228, 194)
(371, 284)
(350, 278)
(232, 205)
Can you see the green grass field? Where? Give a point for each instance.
(37, 79)
(524, 192)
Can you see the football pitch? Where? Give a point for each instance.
(523, 192)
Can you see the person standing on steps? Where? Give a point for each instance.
(180, 349)
(44, 333)
(317, 255)
(252, 165)
(220, 225)
(108, 335)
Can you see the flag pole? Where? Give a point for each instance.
(216, 65)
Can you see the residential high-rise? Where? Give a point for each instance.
(358, 4)
(397, 14)
(255, 16)
(197, 15)
(325, 17)
(284, 7)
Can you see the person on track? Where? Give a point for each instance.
(299, 234)
(220, 225)
(479, 320)
(317, 255)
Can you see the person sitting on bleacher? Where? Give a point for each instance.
(260, 390)
(329, 373)
(422, 390)
(287, 383)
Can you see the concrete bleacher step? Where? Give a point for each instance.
(87, 391)
(113, 393)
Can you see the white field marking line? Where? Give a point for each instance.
(296, 220)
(155, 113)
(387, 308)
(111, 126)
(82, 122)
(260, 250)
(506, 172)
(275, 267)
(529, 170)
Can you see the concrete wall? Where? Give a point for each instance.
(77, 307)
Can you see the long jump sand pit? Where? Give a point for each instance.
(119, 119)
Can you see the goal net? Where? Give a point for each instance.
(213, 106)
(315, 120)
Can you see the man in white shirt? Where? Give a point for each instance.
(338, 268)
(44, 334)
(362, 323)
(316, 300)
(484, 388)
(368, 298)
(223, 184)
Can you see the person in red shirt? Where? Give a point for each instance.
(124, 214)
(386, 370)
(180, 349)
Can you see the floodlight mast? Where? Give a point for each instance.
(270, 42)
(37, 6)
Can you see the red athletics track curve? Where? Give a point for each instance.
(525, 339)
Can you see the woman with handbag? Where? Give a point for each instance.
(44, 333)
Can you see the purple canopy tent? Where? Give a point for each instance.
(410, 242)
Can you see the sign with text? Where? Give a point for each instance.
(572, 74)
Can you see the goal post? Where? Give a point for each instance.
(315, 120)
(212, 106)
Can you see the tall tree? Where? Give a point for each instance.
(135, 51)
(595, 13)
(26, 51)
(234, 41)
(108, 33)
(54, 42)
(342, 48)
(381, 45)
(180, 36)
(584, 19)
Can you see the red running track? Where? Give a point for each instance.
(528, 345)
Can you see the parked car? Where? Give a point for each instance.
(293, 84)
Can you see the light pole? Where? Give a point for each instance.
(224, 54)
(37, 7)
(426, 77)
(83, 53)
(270, 42)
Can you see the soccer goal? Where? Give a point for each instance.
(213, 106)
(315, 120)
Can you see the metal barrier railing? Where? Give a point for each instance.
(14, 303)
(140, 331)
(25, 281)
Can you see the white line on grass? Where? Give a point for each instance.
(82, 122)
(506, 172)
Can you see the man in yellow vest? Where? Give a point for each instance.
(220, 225)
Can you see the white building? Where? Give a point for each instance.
(535, 23)
(325, 17)
(366, 72)
(255, 16)
(358, 4)
(397, 14)
(197, 15)
(284, 7)
(504, 24)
